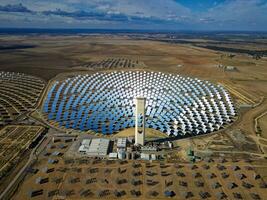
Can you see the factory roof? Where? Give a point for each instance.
(95, 146)
(83, 148)
(98, 146)
(86, 142)
(113, 155)
(121, 143)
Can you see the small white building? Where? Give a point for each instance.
(121, 154)
(149, 148)
(153, 157)
(170, 144)
(121, 143)
(113, 155)
(230, 68)
(145, 156)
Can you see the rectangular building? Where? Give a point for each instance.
(95, 147)
(98, 147)
(121, 143)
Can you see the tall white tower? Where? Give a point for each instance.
(140, 113)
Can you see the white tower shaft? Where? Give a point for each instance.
(140, 114)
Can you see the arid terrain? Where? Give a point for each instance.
(53, 57)
(47, 56)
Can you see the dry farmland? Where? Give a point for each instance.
(14, 140)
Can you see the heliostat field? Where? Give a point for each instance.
(104, 102)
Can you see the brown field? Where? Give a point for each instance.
(55, 57)
(14, 142)
(263, 126)
(15, 139)
(69, 178)
(59, 54)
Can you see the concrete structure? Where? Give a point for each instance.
(153, 157)
(145, 156)
(121, 154)
(98, 147)
(149, 148)
(84, 146)
(140, 121)
(95, 147)
(121, 143)
(113, 155)
(230, 68)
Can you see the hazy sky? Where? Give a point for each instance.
(250, 15)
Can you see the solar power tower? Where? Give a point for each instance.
(140, 113)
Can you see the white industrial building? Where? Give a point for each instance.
(95, 147)
(121, 143)
(85, 145)
(147, 156)
(149, 148)
(113, 155)
(121, 154)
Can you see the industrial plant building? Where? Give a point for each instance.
(95, 147)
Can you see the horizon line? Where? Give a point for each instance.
(132, 30)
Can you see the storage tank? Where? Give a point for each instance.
(121, 154)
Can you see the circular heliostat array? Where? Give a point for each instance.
(104, 102)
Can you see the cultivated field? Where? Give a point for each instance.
(14, 140)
